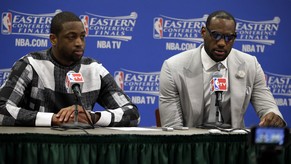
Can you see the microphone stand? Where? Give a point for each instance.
(219, 119)
(76, 124)
(76, 112)
(219, 122)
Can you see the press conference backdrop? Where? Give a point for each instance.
(133, 38)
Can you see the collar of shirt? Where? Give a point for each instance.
(208, 63)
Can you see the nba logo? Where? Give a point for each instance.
(6, 26)
(119, 79)
(216, 84)
(70, 76)
(85, 21)
(158, 28)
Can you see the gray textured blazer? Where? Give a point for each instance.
(181, 89)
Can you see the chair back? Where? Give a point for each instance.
(158, 120)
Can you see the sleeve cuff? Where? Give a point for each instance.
(105, 118)
(43, 119)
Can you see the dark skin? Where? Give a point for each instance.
(68, 48)
(219, 50)
(69, 45)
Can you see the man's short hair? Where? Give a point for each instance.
(220, 14)
(61, 18)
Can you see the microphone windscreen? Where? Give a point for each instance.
(73, 78)
(218, 84)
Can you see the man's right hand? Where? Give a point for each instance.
(66, 115)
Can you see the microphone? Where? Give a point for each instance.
(74, 83)
(218, 84)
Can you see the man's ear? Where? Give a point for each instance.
(53, 39)
(203, 31)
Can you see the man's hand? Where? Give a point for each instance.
(66, 115)
(271, 119)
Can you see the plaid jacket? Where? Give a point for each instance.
(35, 89)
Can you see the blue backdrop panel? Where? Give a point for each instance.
(133, 38)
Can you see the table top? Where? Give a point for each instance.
(110, 131)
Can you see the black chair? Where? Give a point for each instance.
(158, 120)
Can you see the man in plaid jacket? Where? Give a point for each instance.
(35, 93)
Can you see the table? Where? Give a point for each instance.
(41, 145)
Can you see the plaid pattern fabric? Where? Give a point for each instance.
(37, 84)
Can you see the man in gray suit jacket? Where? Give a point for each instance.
(185, 97)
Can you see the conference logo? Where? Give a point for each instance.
(143, 86)
(280, 86)
(19, 23)
(4, 73)
(113, 30)
(262, 32)
(255, 35)
(25, 25)
(165, 27)
(178, 30)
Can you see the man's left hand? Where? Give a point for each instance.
(271, 119)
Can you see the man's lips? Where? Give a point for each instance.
(220, 52)
(79, 52)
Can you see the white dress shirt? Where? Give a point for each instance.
(209, 67)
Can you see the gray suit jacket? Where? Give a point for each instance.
(181, 89)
